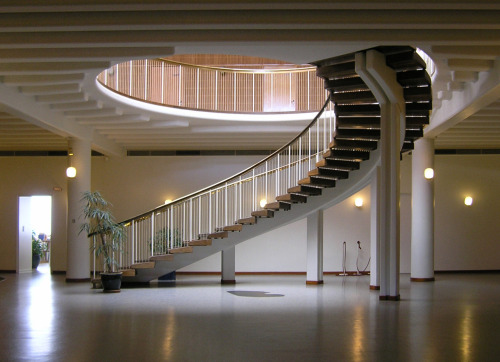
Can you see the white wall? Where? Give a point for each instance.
(466, 238)
(28, 176)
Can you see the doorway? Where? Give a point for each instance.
(35, 223)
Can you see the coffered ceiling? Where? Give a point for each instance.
(51, 53)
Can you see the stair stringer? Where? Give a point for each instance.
(357, 180)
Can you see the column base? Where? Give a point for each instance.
(374, 287)
(390, 297)
(314, 282)
(422, 279)
(77, 280)
(228, 281)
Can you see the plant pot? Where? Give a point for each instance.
(35, 261)
(111, 282)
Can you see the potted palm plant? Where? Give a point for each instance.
(107, 237)
(37, 249)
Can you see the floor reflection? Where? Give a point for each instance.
(40, 313)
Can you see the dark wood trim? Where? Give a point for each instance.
(467, 271)
(422, 279)
(374, 287)
(390, 297)
(7, 271)
(73, 280)
(227, 281)
(58, 272)
(349, 273)
(314, 282)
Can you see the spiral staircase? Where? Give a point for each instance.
(341, 169)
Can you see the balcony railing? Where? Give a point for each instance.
(175, 84)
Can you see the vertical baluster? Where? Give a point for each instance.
(146, 80)
(180, 86)
(190, 236)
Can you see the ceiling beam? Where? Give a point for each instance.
(43, 116)
(466, 103)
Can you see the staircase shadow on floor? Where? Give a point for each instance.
(254, 294)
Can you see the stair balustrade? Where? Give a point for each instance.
(193, 217)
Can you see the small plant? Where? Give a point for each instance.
(101, 224)
(37, 246)
(166, 239)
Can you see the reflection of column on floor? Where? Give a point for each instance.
(315, 248)
(228, 266)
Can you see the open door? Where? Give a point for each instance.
(24, 236)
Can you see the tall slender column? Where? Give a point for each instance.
(228, 266)
(78, 262)
(374, 231)
(315, 248)
(422, 218)
(382, 82)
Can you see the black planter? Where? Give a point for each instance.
(35, 260)
(111, 282)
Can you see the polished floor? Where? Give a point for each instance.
(262, 318)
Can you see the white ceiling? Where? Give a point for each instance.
(50, 55)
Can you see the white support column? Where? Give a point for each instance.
(422, 218)
(374, 231)
(78, 264)
(315, 248)
(228, 266)
(383, 83)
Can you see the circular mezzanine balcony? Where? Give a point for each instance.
(229, 84)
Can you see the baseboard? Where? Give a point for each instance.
(7, 271)
(486, 271)
(72, 280)
(58, 272)
(350, 273)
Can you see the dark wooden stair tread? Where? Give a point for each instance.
(143, 265)
(292, 198)
(235, 227)
(305, 190)
(275, 206)
(218, 235)
(263, 213)
(200, 242)
(181, 250)
(320, 182)
(163, 257)
(247, 221)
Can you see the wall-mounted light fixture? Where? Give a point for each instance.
(468, 200)
(70, 171)
(168, 201)
(429, 173)
(263, 203)
(358, 202)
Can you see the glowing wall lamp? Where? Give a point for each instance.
(168, 201)
(358, 202)
(429, 173)
(263, 203)
(70, 171)
(468, 200)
